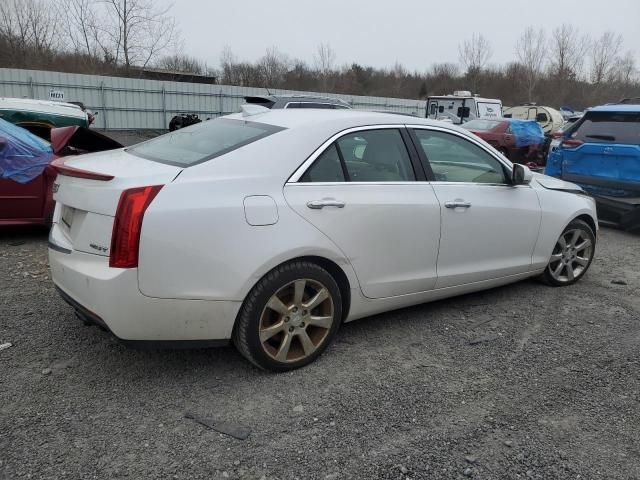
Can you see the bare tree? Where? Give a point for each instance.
(29, 24)
(567, 50)
(604, 56)
(324, 61)
(183, 63)
(138, 30)
(474, 55)
(626, 71)
(448, 70)
(83, 28)
(273, 67)
(531, 51)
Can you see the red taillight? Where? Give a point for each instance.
(557, 134)
(62, 169)
(571, 143)
(125, 239)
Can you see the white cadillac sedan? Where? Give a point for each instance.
(271, 228)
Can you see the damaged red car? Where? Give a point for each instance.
(521, 141)
(27, 169)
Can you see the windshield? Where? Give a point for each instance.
(481, 124)
(203, 141)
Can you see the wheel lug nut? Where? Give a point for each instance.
(291, 329)
(286, 319)
(304, 312)
(302, 325)
(294, 309)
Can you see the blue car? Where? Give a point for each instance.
(601, 153)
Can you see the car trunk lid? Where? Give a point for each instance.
(87, 202)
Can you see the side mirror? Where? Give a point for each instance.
(520, 175)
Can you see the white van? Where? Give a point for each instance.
(462, 107)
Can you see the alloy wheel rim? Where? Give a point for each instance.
(296, 320)
(571, 255)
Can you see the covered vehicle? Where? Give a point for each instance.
(27, 171)
(518, 140)
(601, 152)
(273, 228)
(40, 116)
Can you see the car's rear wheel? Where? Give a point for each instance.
(571, 256)
(289, 317)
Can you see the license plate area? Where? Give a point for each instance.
(67, 216)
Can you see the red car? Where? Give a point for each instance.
(521, 141)
(32, 202)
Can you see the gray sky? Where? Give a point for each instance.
(416, 33)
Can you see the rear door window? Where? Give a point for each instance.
(364, 156)
(376, 156)
(203, 141)
(609, 127)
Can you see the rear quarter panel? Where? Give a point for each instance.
(196, 242)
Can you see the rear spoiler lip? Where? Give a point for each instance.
(62, 169)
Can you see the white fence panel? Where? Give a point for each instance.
(137, 104)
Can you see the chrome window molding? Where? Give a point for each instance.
(300, 171)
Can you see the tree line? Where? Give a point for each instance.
(119, 37)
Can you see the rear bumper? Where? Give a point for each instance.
(110, 297)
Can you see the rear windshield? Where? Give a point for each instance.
(203, 141)
(609, 127)
(481, 124)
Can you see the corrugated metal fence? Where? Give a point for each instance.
(133, 104)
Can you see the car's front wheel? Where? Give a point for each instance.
(571, 256)
(289, 317)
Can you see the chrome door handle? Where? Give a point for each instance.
(325, 202)
(457, 204)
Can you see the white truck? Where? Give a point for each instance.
(461, 107)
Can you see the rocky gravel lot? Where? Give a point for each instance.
(524, 381)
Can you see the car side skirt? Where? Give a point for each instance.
(363, 307)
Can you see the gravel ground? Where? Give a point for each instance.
(524, 381)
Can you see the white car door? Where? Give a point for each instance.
(489, 227)
(367, 192)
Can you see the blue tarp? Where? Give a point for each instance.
(527, 132)
(23, 156)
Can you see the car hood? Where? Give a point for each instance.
(551, 183)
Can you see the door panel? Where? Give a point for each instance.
(19, 200)
(493, 237)
(388, 231)
(489, 228)
(603, 165)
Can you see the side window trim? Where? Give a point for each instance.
(343, 165)
(425, 161)
(300, 171)
(414, 155)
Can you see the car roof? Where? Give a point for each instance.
(616, 108)
(295, 98)
(347, 118)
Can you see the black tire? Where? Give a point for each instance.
(548, 276)
(250, 321)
